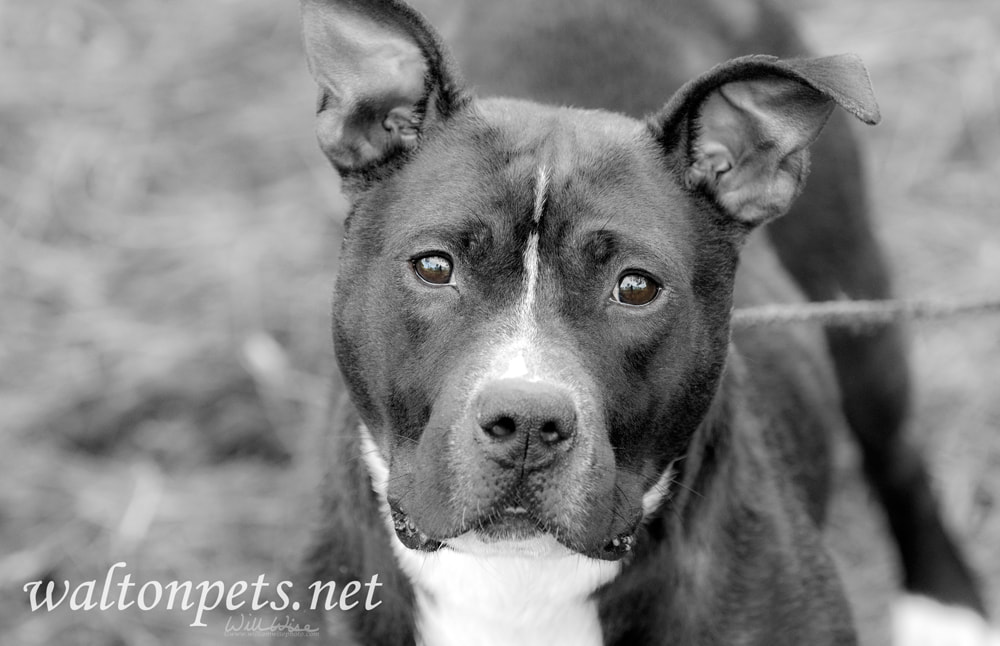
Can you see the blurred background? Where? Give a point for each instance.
(168, 237)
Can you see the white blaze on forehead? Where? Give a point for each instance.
(517, 353)
(517, 368)
(516, 358)
(541, 191)
(531, 262)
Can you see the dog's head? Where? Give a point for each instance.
(532, 311)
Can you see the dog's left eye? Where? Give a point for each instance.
(635, 290)
(433, 269)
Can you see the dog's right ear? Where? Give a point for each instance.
(384, 79)
(743, 128)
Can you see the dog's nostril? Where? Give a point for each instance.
(501, 428)
(551, 434)
(525, 423)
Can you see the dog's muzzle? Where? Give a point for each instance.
(516, 463)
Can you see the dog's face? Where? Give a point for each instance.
(531, 314)
(532, 308)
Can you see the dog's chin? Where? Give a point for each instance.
(533, 545)
(511, 533)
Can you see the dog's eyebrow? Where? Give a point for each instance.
(600, 245)
(604, 245)
(470, 236)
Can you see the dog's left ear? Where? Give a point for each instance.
(741, 130)
(384, 76)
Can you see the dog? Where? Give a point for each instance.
(550, 433)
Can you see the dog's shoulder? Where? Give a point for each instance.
(789, 385)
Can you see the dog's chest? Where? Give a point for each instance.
(464, 599)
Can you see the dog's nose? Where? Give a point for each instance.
(525, 423)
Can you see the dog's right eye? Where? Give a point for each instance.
(433, 269)
(635, 290)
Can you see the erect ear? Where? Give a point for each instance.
(742, 129)
(384, 78)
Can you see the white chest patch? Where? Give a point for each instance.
(537, 598)
(531, 592)
(920, 621)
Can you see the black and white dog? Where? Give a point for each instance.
(551, 435)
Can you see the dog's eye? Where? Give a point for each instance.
(635, 290)
(433, 269)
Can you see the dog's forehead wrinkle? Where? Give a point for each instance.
(587, 170)
(532, 161)
(561, 138)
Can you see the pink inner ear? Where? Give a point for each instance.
(355, 57)
(374, 76)
(749, 150)
(724, 133)
(788, 113)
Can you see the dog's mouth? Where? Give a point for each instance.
(412, 536)
(509, 526)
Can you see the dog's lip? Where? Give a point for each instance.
(506, 524)
(514, 531)
(410, 535)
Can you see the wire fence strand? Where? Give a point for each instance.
(861, 314)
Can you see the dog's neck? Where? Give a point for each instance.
(505, 599)
(527, 592)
